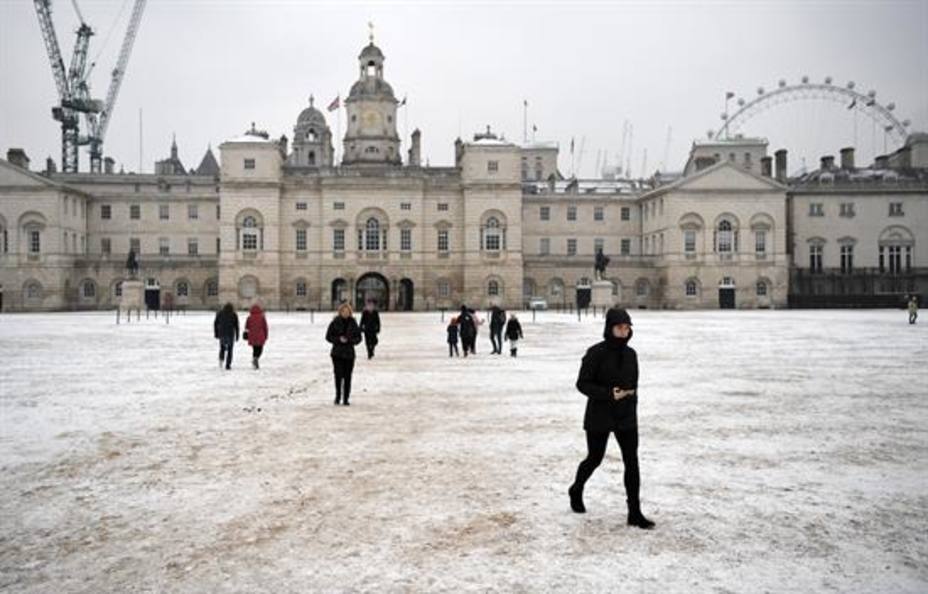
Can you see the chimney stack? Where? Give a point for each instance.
(766, 166)
(780, 160)
(50, 166)
(847, 158)
(415, 150)
(881, 162)
(17, 156)
(828, 162)
(108, 163)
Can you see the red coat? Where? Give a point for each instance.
(256, 327)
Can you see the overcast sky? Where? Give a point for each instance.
(205, 69)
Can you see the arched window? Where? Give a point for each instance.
(300, 288)
(311, 135)
(312, 157)
(761, 288)
(182, 289)
(492, 235)
(33, 293)
(89, 290)
(724, 237)
(493, 288)
(691, 289)
(212, 288)
(372, 235)
(249, 234)
(4, 240)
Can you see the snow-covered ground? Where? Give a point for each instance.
(780, 451)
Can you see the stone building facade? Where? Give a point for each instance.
(280, 223)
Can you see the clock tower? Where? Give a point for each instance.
(371, 138)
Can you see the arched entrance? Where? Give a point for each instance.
(372, 286)
(152, 294)
(339, 292)
(404, 301)
(727, 293)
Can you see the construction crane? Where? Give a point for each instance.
(74, 86)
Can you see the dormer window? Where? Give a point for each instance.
(311, 135)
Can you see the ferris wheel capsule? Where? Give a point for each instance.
(724, 116)
(827, 80)
(850, 85)
(805, 80)
(890, 106)
(740, 101)
(782, 83)
(906, 123)
(871, 94)
(760, 90)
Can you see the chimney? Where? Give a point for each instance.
(50, 166)
(766, 166)
(847, 158)
(283, 145)
(415, 150)
(17, 156)
(780, 161)
(108, 163)
(828, 162)
(881, 162)
(458, 151)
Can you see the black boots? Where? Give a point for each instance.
(576, 499)
(636, 518)
(512, 352)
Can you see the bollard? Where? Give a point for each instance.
(312, 315)
(146, 312)
(117, 315)
(578, 314)
(443, 314)
(533, 315)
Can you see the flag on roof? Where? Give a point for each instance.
(335, 104)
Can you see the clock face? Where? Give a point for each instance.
(371, 119)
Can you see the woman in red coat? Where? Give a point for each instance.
(256, 333)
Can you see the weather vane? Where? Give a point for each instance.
(370, 25)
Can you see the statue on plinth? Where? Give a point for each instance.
(132, 265)
(602, 261)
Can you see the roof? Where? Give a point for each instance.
(371, 87)
(371, 51)
(711, 169)
(12, 172)
(208, 166)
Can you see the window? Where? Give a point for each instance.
(338, 206)
(105, 245)
(442, 206)
(895, 259)
(193, 212)
(89, 290)
(524, 168)
(816, 209)
(212, 288)
(301, 206)
(135, 244)
(847, 259)
(182, 289)
(760, 242)
(218, 210)
(544, 213)
(571, 247)
(598, 213)
(444, 289)
(164, 246)
(599, 244)
(301, 240)
(35, 243)
(847, 209)
(405, 206)
(895, 209)
(571, 213)
(493, 288)
(642, 288)
(405, 239)
(626, 213)
(442, 240)
(300, 288)
(544, 246)
(761, 288)
(249, 163)
(218, 243)
(626, 247)
(164, 212)
(4, 241)
(372, 235)
(724, 237)
(338, 240)
(135, 212)
(815, 257)
(193, 246)
(106, 211)
(647, 245)
(690, 288)
(689, 241)
(492, 235)
(117, 289)
(249, 234)
(492, 166)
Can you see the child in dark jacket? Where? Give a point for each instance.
(513, 334)
(453, 338)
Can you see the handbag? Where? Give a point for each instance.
(245, 335)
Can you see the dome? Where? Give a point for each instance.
(371, 52)
(371, 87)
(310, 115)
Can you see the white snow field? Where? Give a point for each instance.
(781, 451)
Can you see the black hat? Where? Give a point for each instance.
(615, 315)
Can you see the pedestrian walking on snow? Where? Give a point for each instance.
(467, 321)
(609, 379)
(913, 309)
(513, 334)
(256, 333)
(370, 327)
(343, 333)
(225, 330)
(453, 338)
(497, 322)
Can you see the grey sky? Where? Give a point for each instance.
(206, 69)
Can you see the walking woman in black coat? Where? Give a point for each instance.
(609, 379)
(344, 334)
(225, 329)
(370, 327)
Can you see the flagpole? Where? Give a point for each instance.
(524, 121)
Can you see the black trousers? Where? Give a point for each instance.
(225, 351)
(496, 338)
(453, 349)
(913, 316)
(596, 449)
(370, 343)
(343, 369)
(256, 350)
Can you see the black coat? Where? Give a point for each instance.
(452, 334)
(497, 319)
(348, 328)
(370, 325)
(468, 324)
(513, 329)
(607, 365)
(226, 325)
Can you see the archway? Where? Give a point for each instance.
(372, 286)
(339, 292)
(404, 301)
